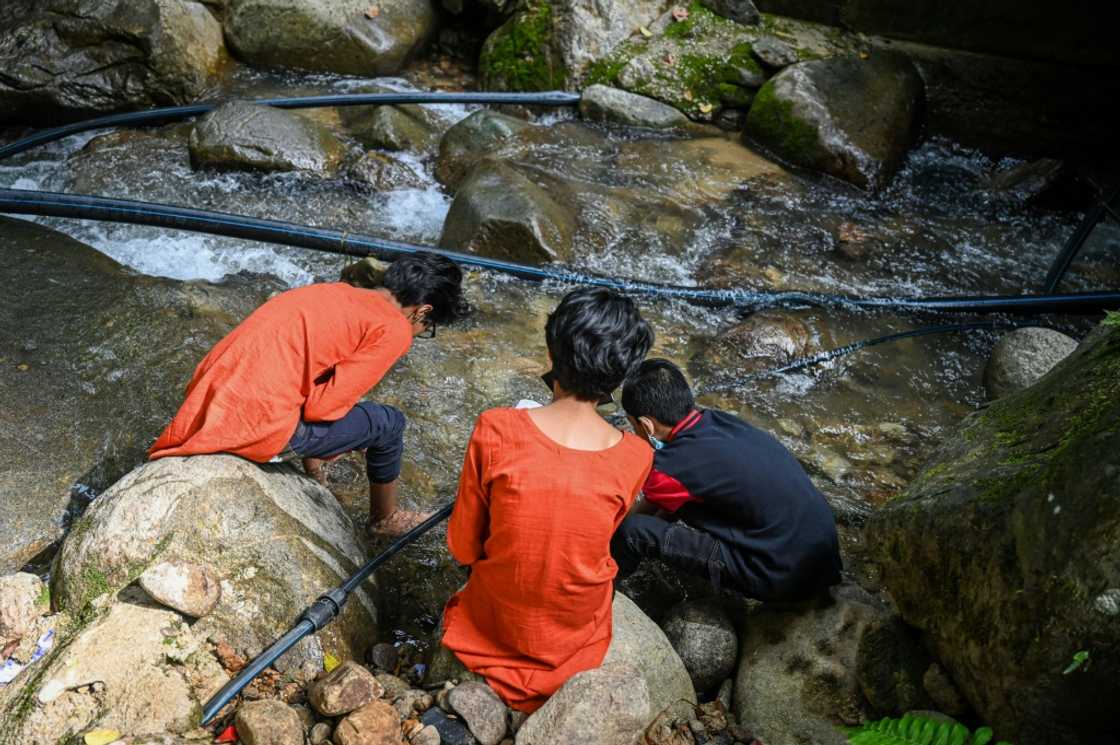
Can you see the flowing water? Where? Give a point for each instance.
(862, 424)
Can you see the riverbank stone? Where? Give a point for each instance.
(376, 723)
(481, 709)
(242, 136)
(351, 37)
(268, 722)
(191, 589)
(78, 59)
(603, 103)
(609, 705)
(344, 689)
(1021, 357)
(23, 598)
(275, 537)
(1027, 494)
(849, 117)
(740, 11)
(703, 635)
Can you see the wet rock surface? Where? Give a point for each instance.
(239, 135)
(76, 58)
(115, 345)
(343, 36)
(471, 139)
(191, 589)
(603, 103)
(405, 127)
(608, 705)
(850, 117)
(891, 666)
(1021, 357)
(291, 540)
(703, 635)
(1027, 492)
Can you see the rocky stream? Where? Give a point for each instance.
(975, 477)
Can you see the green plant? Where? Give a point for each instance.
(1111, 318)
(917, 730)
(1079, 659)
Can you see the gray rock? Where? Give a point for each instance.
(890, 666)
(292, 539)
(849, 117)
(484, 131)
(320, 733)
(774, 53)
(943, 691)
(374, 724)
(1029, 181)
(1021, 357)
(498, 212)
(451, 731)
(726, 690)
(134, 665)
(383, 173)
(240, 135)
(1026, 492)
(603, 103)
(765, 340)
(481, 709)
(345, 36)
(193, 589)
(704, 637)
(79, 58)
(740, 11)
(412, 702)
(609, 705)
(428, 735)
(344, 689)
(408, 127)
(393, 686)
(797, 668)
(64, 299)
(636, 640)
(268, 722)
(23, 598)
(384, 656)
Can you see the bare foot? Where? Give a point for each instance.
(396, 524)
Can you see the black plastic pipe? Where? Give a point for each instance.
(319, 614)
(1070, 250)
(177, 113)
(18, 201)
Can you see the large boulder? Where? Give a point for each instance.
(850, 117)
(134, 668)
(640, 642)
(797, 676)
(115, 346)
(241, 136)
(702, 634)
(548, 44)
(500, 213)
(346, 36)
(76, 58)
(1005, 551)
(1021, 357)
(609, 705)
(276, 538)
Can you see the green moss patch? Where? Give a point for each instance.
(771, 120)
(517, 56)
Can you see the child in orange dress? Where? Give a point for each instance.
(541, 493)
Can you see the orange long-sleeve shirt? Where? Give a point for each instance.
(534, 519)
(311, 352)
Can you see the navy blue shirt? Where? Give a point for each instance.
(738, 483)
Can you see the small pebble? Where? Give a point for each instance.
(384, 656)
(696, 726)
(320, 733)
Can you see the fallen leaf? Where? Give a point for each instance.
(330, 662)
(373, 11)
(705, 108)
(688, 95)
(101, 736)
(864, 55)
(645, 31)
(24, 367)
(679, 13)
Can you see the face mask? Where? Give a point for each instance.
(656, 443)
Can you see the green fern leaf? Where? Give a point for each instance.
(982, 736)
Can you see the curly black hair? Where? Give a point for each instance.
(426, 278)
(596, 338)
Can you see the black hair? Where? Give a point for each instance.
(658, 389)
(426, 278)
(596, 338)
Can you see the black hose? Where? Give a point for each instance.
(319, 614)
(1084, 229)
(177, 113)
(17, 201)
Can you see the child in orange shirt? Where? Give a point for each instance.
(541, 493)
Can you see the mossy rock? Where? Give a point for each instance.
(519, 56)
(1006, 551)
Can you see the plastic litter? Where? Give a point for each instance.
(11, 668)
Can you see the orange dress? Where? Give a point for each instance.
(533, 520)
(313, 352)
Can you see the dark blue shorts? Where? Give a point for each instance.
(376, 428)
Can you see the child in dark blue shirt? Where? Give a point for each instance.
(742, 512)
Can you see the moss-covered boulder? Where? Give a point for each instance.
(78, 58)
(241, 136)
(850, 117)
(548, 44)
(1005, 551)
(94, 358)
(276, 539)
(355, 37)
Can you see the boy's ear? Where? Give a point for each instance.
(648, 427)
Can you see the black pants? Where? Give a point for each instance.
(675, 543)
(376, 428)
